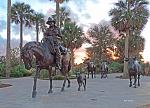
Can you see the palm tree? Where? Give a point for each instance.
(38, 20)
(136, 45)
(64, 16)
(127, 16)
(72, 36)
(8, 67)
(21, 14)
(57, 10)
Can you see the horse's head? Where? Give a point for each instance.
(134, 64)
(66, 61)
(26, 56)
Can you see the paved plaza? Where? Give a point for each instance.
(101, 93)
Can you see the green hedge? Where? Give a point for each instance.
(20, 71)
(115, 67)
(43, 74)
(2, 69)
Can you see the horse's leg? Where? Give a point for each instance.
(68, 82)
(35, 80)
(130, 80)
(80, 84)
(65, 78)
(135, 79)
(106, 74)
(88, 74)
(101, 75)
(84, 84)
(138, 79)
(50, 81)
(92, 74)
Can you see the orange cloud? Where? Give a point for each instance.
(80, 54)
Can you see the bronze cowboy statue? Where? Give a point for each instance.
(47, 54)
(54, 36)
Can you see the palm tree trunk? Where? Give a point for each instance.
(8, 55)
(21, 36)
(72, 58)
(57, 13)
(125, 70)
(37, 32)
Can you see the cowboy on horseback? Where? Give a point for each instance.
(54, 32)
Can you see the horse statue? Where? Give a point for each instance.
(44, 60)
(103, 70)
(91, 69)
(134, 69)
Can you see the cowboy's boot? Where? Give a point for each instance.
(58, 58)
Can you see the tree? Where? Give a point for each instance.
(39, 22)
(91, 53)
(120, 48)
(14, 57)
(127, 16)
(8, 55)
(72, 36)
(103, 39)
(136, 45)
(21, 13)
(64, 16)
(57, 10)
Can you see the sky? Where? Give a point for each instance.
(84, 12)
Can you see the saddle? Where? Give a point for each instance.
(48, 46)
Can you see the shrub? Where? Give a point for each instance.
(43, 74)
(58, 77)
(115, 67)
(19, 71)
(2, 69)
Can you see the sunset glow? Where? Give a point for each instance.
(80, 57)
(80, 54)
(145, 58)
(112, 53)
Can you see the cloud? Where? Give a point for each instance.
(43, 1)
(2, 45)
(28, 33)
(14, 44)
(3, 10)
(90, 11)
(2, 25)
